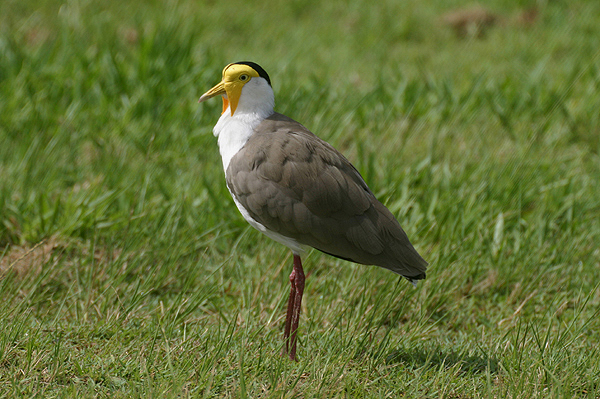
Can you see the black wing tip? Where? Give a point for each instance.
(412, 279)
(415, 279)
(261, 72)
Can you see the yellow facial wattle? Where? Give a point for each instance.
(235, 76)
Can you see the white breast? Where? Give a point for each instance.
(233, 132)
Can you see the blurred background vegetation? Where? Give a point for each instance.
(127, 270)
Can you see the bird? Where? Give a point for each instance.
(299, 190)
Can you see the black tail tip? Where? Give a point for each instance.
(421, 276)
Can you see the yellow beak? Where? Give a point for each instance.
(215, 91)
(230, 92)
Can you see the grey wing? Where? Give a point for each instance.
(298, 185)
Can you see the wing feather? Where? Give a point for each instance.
(298, 185)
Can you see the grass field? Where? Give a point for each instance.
(127, 271)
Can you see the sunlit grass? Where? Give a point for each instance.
(127, 271)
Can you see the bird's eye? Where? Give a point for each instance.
(244, 78)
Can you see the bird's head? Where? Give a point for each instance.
(245, 87)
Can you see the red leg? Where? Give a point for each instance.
(298, 284)
(288, 317)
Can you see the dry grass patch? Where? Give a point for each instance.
(27, 259)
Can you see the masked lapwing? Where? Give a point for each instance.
(299, 190)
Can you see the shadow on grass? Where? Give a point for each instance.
(436, 357)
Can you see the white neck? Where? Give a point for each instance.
(256, 103)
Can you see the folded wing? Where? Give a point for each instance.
(298, 185)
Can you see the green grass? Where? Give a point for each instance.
(127, 271)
